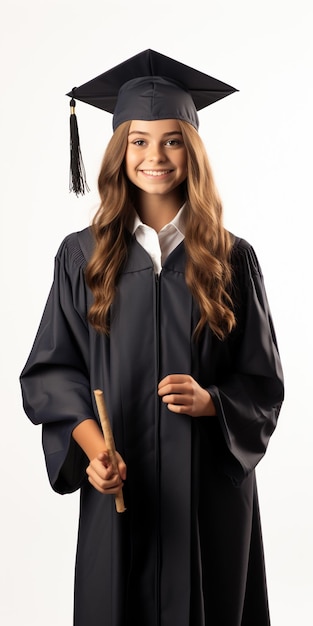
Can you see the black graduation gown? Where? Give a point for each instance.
(188, 551)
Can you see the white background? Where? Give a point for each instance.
(260, 145)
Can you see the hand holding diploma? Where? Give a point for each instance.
(109, 465)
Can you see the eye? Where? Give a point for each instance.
(173, 143)
(138, 142)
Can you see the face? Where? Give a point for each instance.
(156, 157)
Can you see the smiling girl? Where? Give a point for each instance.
(161, 307)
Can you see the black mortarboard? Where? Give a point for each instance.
(148, 86)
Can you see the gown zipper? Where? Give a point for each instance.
(157, 449)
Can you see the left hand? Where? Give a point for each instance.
(183, 394)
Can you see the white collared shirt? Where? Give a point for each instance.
(160, 245)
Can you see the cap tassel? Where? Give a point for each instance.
(78, 182)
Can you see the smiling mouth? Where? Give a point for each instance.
(156, 173)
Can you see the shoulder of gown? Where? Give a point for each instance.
(78, 246)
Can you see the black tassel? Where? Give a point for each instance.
(78, 182)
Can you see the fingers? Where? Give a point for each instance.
(183, 394)
(173, 379)
(179, 404)
(177, 391)
(102, 475)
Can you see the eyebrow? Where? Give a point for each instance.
(168, 134)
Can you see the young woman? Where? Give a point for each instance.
(158, 305)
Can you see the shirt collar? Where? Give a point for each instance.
(178, 222)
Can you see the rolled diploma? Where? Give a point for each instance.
(110, 444)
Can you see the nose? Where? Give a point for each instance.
(156, 153)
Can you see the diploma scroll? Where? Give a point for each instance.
(110, 444)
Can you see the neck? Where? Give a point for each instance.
(157, 210)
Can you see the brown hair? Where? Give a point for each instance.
(207, 243)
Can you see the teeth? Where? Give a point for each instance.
(156, 172)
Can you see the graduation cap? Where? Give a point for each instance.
(148, 86)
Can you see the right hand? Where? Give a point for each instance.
(102, 475)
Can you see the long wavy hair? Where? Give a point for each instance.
(207, 243)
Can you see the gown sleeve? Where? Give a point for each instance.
(55, 380)
(249, 399)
